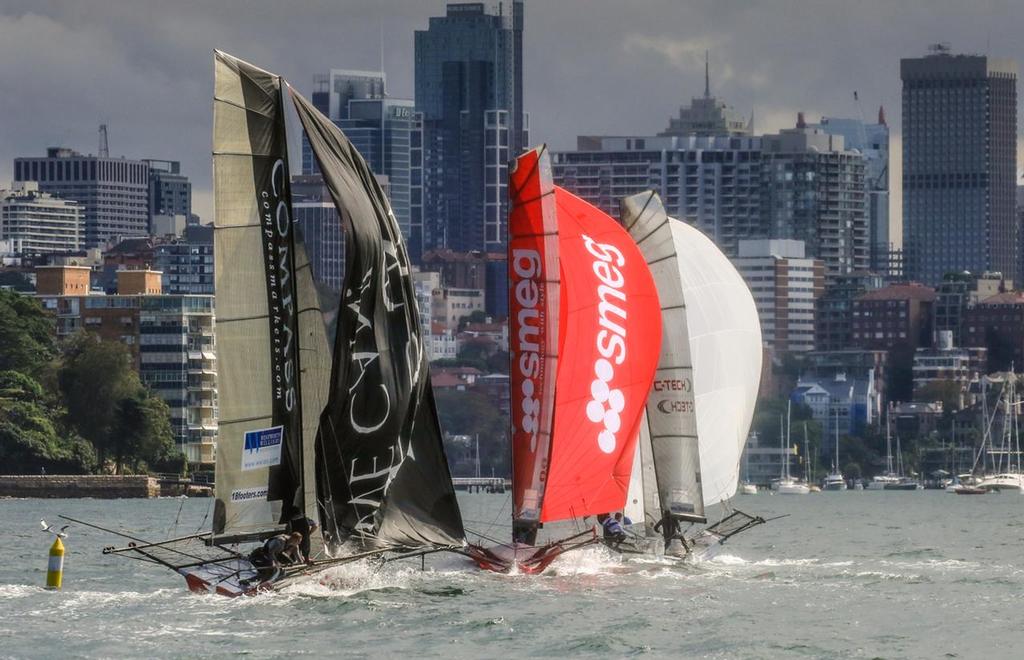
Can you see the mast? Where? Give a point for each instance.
(789, 432)
(888, 440)
(784, 458)
(836, 464)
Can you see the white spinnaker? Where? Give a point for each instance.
(725, 346)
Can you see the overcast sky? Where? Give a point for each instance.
(145, 69)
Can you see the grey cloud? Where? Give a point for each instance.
(600, 66)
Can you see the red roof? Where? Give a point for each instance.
(908, 291)
(443, 379)
(1008, 298)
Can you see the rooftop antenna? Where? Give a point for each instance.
(104, 149)
(707, 77)
(940, 48)
(384, 91)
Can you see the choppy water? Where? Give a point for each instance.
(855, 574)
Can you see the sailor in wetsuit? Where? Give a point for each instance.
(669, 528)
(613, 530)
(277, 550)
(305, 526)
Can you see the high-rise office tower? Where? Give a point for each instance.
(872, 141)
(114, 191)
(469, 89)
(386, 132)
(959, 164)
(812, 190)
(170, 192)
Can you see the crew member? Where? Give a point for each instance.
(669, 528)
(283, 548)
(305, 526)
(613, 530)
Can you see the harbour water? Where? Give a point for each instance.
(856, 574)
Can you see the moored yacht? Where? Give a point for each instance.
(834, 480)
(790, 486)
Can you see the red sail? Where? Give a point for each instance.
(610, 333)
(533, 341)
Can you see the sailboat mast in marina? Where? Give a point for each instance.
(345, 436)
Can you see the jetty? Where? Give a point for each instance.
(481, 484)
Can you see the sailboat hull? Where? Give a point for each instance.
(524, 558)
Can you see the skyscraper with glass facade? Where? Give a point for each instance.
(469, 90)
(959, 165)
(386, 131)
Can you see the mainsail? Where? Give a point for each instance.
(724, 350)
(534, 299)
(381, 471)
(671, 418)
(269, 387)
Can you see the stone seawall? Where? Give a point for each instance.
(74, 485)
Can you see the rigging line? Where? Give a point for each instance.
(177, 518)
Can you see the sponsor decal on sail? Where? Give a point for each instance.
(262, 448)
(258, 494)
(610, 320)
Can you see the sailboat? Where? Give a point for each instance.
(585, 331)
(787, 484)
(889, 478)
(701, 404)
(1011, 479)
(834, 480)
(347, 436)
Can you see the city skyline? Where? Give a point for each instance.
(144, 69)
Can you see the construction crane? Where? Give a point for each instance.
(104, 148)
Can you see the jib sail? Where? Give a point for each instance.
(259, 322)
(382, 476)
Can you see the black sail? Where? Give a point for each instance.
(382, 476)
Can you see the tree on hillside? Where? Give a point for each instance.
(29, 440)
(142, 431)
(470, 413)
(95, 377)
(26, 334)
(110, 407)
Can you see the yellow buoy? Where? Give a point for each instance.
(55, 570)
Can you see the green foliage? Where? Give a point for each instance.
(476, 316)
(29, 440)
(95, 377)
(946, 391)
(142, 433)
(26, 334)
(470, 413)
(498, 363)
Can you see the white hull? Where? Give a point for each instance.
(748, 489)
(792, 489)
(1004, 482)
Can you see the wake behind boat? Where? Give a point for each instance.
(348, 435)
